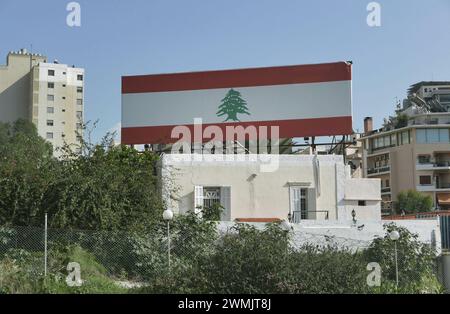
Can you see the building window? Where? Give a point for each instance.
(361, 203)
(80, 102)
(64, 73)
(211, 197)
(79, 89)
(78, 126)
(64, 97)
(63, 135)
(425, 180)
(49, 122)
(51, 72)
(79, 77)
(405, 137)
(50, 97)
(64, 110)
(79, 114)
(429, 136)
(63, 85)
(298, 200)
(51, 85)
(49, 135)
(50, 110)
(205, 197)
(424, 159)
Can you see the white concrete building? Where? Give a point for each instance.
(51, 95)
(304, 187)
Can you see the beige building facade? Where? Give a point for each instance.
(51, 95)
(414, 157)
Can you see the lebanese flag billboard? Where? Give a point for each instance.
(302, 100)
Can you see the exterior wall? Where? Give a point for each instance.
(402, 169)
(354, 236)
(405, 171)
(65, 102)
(256, 194)
(23, 94)
(367, 190)
(15, 87)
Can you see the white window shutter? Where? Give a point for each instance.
(311, 203)
(225, 201)
(198, 198)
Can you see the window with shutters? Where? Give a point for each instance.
(206, 197)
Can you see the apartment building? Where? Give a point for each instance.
(51, 95)
(414, 157)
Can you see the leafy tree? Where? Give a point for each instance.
(413, 202)
(112, 188)
(27, 170)
(93, 186)
(232, 105)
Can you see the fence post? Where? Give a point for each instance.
(45, 246)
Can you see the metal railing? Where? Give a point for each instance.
(378, 170)
(298, 216)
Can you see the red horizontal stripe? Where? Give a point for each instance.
(287, 129)
(295, 74)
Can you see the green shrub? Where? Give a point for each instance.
(416, 261)
(412, 202)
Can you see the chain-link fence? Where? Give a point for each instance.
(135, 259)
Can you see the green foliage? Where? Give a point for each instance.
(101, 187)
(26, 173)
(249, 260)
(93, 274)
(416, 260)
(412, 202)
(18, 273)
(213, 213)
(401, 120)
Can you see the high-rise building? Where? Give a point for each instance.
(51, 95)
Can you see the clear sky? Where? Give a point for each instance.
(147, 36)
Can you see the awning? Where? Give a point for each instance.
(444, 199)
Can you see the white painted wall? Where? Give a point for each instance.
(353, 236)
(257, 194)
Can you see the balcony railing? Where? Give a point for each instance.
(386, 190)
(298, 216)
(379, 170)
(443, 185)
(430, 165)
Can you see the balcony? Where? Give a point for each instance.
(385, 190)
(378, 171)
(445, 165)
(440, 187)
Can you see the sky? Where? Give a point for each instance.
(133, 37)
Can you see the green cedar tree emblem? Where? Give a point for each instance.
(232, 105)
